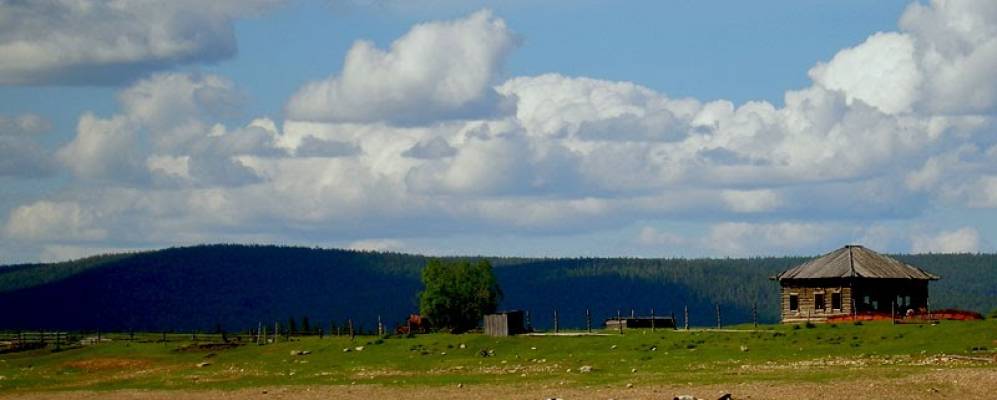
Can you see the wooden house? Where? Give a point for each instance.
(850, 281)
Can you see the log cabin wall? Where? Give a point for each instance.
(806, 293)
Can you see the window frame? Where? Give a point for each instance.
(840, 303)
(794, 300)
(822, 304)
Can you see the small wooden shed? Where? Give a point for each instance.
(505, 323)
(852, 280)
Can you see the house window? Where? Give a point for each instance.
(794, 303)
(836, 301)
(818, 301)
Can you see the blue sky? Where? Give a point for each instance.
(679, 128)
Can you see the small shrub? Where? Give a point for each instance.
(810, 325)
(796, 327)
(857, 323)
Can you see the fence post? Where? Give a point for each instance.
(718, 316)
(276, 331)
(754, 314)
(652, 319)
(380, 326)
(350, 323)
(588, 320)
(556, 327)
(619, 321)
(893, 311)
(262, 336)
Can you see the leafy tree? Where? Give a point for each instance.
(306, 325)
(458, 293)
(292, 327)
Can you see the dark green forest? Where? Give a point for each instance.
(237, 286)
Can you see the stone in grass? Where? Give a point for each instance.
(203, 364)
(347, 350)
(585, 369)
(358, 348)
(744, 348)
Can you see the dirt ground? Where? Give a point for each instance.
(967, 383)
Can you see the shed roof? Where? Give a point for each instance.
(855, 261)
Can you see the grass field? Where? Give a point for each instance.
(774, 355)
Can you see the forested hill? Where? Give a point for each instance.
(238, 286)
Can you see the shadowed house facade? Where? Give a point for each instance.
(852, 280)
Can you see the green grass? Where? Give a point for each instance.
(773, 353)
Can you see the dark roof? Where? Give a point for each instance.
(855, 262)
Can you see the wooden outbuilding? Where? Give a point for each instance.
(852, 281)
(640, 322)
(506, 323)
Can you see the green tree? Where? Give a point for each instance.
(458, 293)
(306, 325)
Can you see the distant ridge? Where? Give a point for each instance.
(237, 286)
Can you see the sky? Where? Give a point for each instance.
(513, 128)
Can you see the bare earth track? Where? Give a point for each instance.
(963, 383)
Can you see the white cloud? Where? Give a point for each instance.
(956, 44)
(104, 149)
(166, 129)
(963, 240)
(47, 220)
(437, 70)
(741, 239)
(649, 236)
(402, 155)
(101, 42)
(881, 72)
(751, 201)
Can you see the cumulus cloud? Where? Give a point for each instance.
(740, 238)
(165, 133)
(881, 72)
(437, 70)
(399, 144)
(100, 42)
(943, 61)
(963, 240)
(48, 220)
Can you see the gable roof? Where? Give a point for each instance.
(855, 261)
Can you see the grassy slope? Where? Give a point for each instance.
(774, 353)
